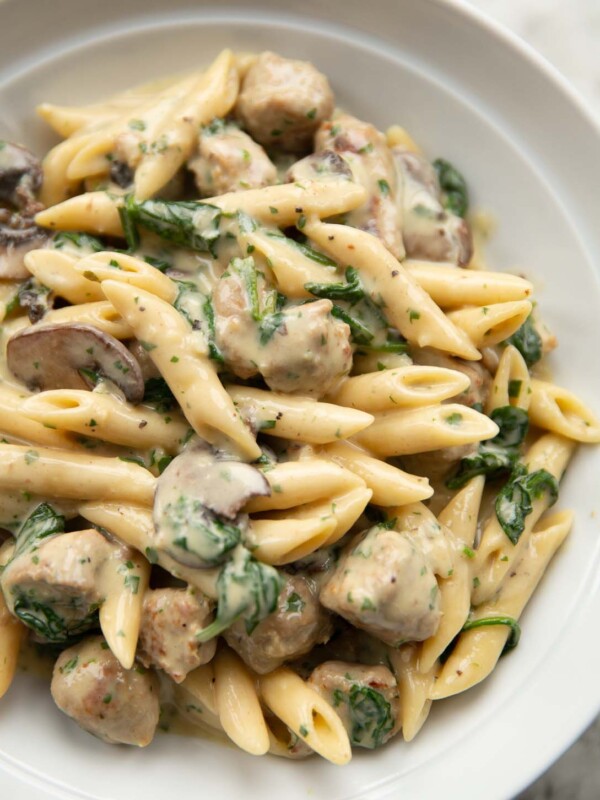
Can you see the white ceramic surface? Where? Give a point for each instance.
(532, 157)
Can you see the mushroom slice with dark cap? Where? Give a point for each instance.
(63, 356)
(197, 504)
(20, 177)
(20, 180)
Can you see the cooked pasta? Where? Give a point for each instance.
(266, 449)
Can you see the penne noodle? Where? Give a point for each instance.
(496, 553)
(390, 485)
(125, 578)
(18, 425)
(489, 325)
(281, 541)
(238, 704)
(57, 272)
(407, 306)
(419, 430)
(12, 631)
(75, 476)
(560, 411)
(291, 268)
(343, 509)
(101, 315)
(297, 418)
(127, 269)
(306, 713)
(478, 650)
(511, 385)
(451, 287)
(406, 387)
(296, 483)
(93, 212)
(212, 95)
(103, 416)
(283, 204)
(191, 375)
(415, 687)
(459, 518)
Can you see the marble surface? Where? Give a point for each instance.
(567, 33)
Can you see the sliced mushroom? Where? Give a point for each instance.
(18, 235)
(67, 357)
(197, 504)
(20, 180)
(323, 166)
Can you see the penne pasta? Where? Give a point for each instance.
(556, 409)
(57, 272)
(127, 269)
(419, 430)
(103, 416)
(343, 509)
(296, 483)
(478, 650)
(450, 287)
(459, 518)
(489, 325)
(281, 541)
(125, 578)
(15, 423)
(238, 704)
(191, 375)
(415, 687)
(76, 476)
(406, 387)
(298, 418)
(101, 315)
(511, 385)
(390, 485)
(306, 713)
(12, 632)
(496, 553)
(407, 307)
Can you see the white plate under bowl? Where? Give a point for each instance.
(469, 92)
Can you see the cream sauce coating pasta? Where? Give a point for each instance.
(255, 352)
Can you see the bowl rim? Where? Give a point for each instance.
(573, 97)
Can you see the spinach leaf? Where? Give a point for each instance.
(269, 325)
(352, 291)
(246, 588)
(498, 455)
(186, 223)
(158, 395)
(42, 522)
(455, 195)
(305, 249)
(511, 622)
(515, 501)
(193, 528)
(209, 315)
(47, 623)
(83, 241)
(370, 715)
(359, 332)
(528, 342)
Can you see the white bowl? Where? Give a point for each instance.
(470, 92)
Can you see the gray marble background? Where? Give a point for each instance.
(567, 33)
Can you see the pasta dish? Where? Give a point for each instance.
(277, 454)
